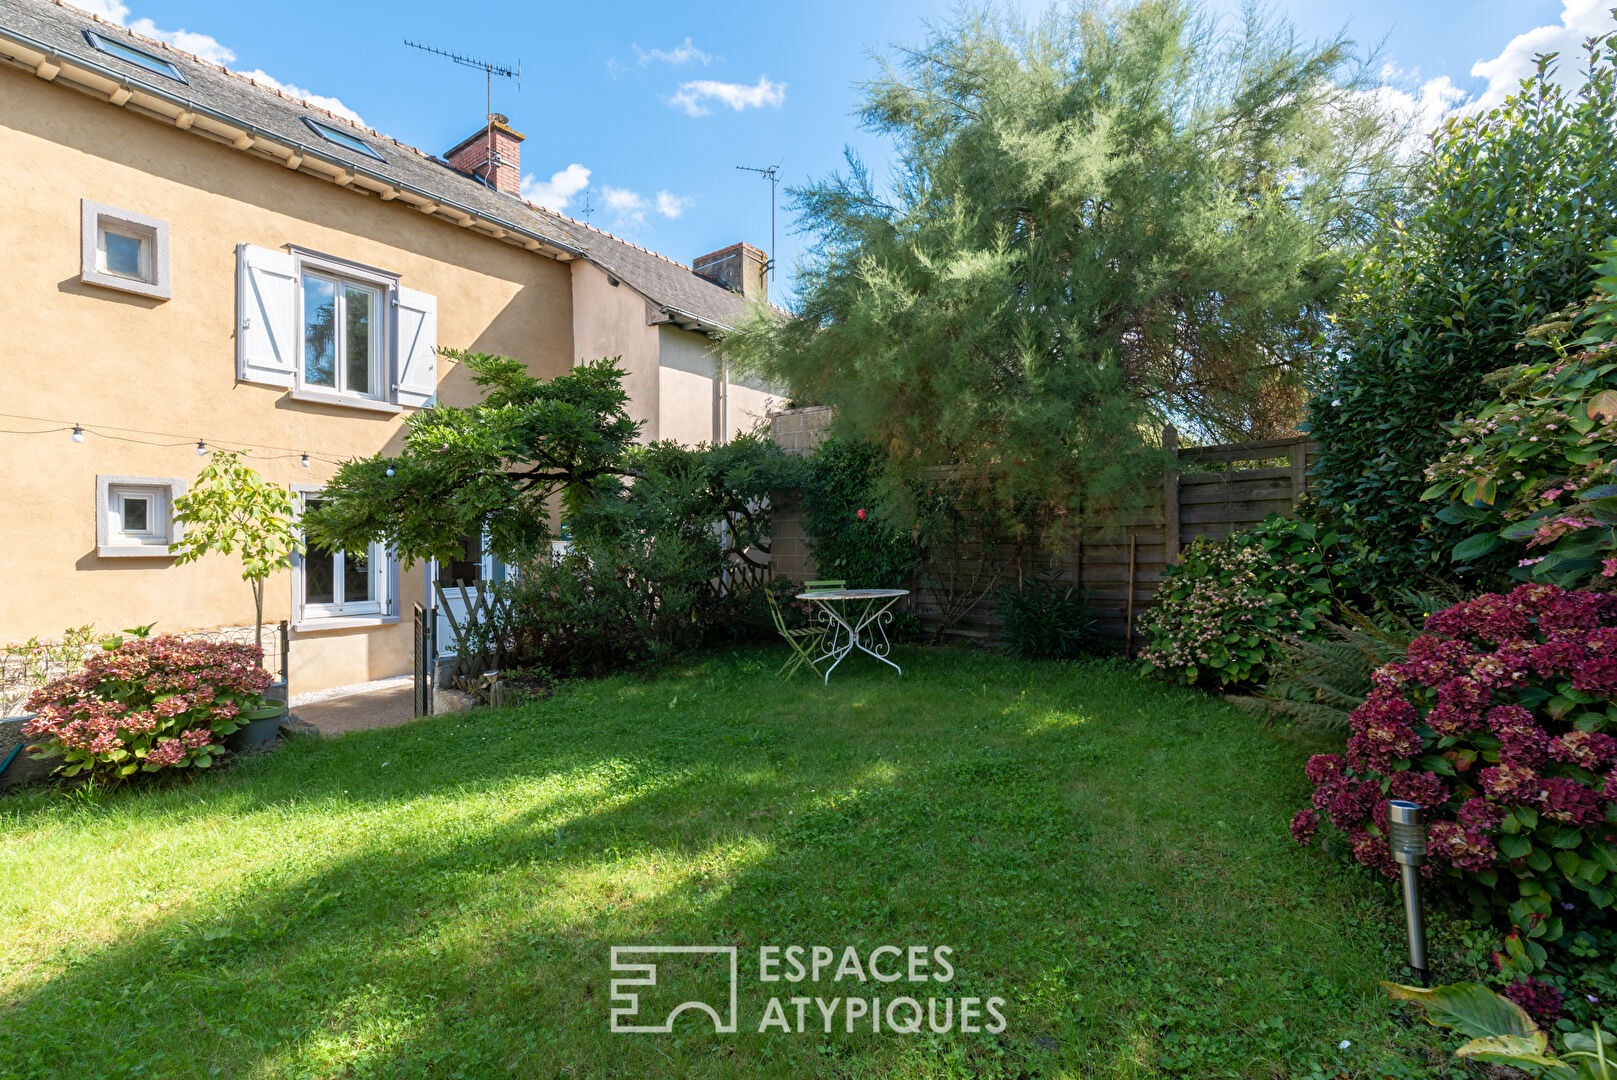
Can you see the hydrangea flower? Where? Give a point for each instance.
(1463, 726)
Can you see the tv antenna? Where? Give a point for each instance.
(489, 70)
(772, 174)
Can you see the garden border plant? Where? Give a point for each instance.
(1497, 722)
(146, 705)
(1538, 466)
(1223, 612)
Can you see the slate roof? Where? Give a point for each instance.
(211, 88)
(668, 283)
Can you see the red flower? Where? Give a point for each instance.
(861, 514)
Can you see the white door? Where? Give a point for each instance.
(475, 565)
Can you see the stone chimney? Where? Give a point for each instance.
(740, 268)
(492, 153)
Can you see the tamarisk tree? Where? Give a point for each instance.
(1110, 218)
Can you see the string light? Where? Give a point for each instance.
(390, 470)
(80, 433)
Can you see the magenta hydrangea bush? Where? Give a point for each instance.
(1497, 722)
(146, 705)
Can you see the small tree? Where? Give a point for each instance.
(232, 508)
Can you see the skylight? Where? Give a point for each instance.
(138, 57)
(342, 138)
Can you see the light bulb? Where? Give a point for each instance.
(390, 470)
(78, 433)
(305, 461)
(202, 448)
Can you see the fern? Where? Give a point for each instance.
(1321, 681)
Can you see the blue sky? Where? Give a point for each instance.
(645, 109)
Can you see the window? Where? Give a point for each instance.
(125, 253)
(333, 331)
(339, 585)
(134, 515)
(123, 250)
(130, 54)
(342, 138)
(341, 335)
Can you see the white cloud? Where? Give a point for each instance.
(693, 96)
(330, 104)
(628, 207)
(1425, 105)
(670, 205)
(201, 45)
(114, 11)
(211, 49)
(1579, 19)
(1421, 105)
(558, 191)
(679, 55)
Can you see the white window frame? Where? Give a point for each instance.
(111, 540)
(385, 288)
(384, 570)
(98, 219)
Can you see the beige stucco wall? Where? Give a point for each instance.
(691, 404)
(689, 387)
(610, 321)
(165, 370)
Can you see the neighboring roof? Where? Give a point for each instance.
(232, 108)
(673, 286)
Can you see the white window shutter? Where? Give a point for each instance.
(416, 363)
(266, 313)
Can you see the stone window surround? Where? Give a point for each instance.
(108, 546)
(92, 217)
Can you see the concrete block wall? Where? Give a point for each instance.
(799, 431)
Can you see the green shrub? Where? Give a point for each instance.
(1512, 201)
(1044, 619)
(847, 533)
(654, 568)
(1532, 476)
(1223, 612)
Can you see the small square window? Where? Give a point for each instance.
(135, 511)
(124, 250)
(134, 515)
(124, 254)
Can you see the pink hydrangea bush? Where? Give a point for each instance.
(147, 704)
(1498, 722)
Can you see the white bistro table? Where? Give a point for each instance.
(857, 617)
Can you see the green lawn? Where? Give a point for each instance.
(1107, 854)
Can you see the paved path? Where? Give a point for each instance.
(359, 712)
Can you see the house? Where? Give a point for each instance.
(194, 261)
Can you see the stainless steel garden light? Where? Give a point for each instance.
(1408, 842)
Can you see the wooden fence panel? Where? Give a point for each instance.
(1119, 568)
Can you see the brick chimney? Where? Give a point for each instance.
(740, 268)
(502, 170)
